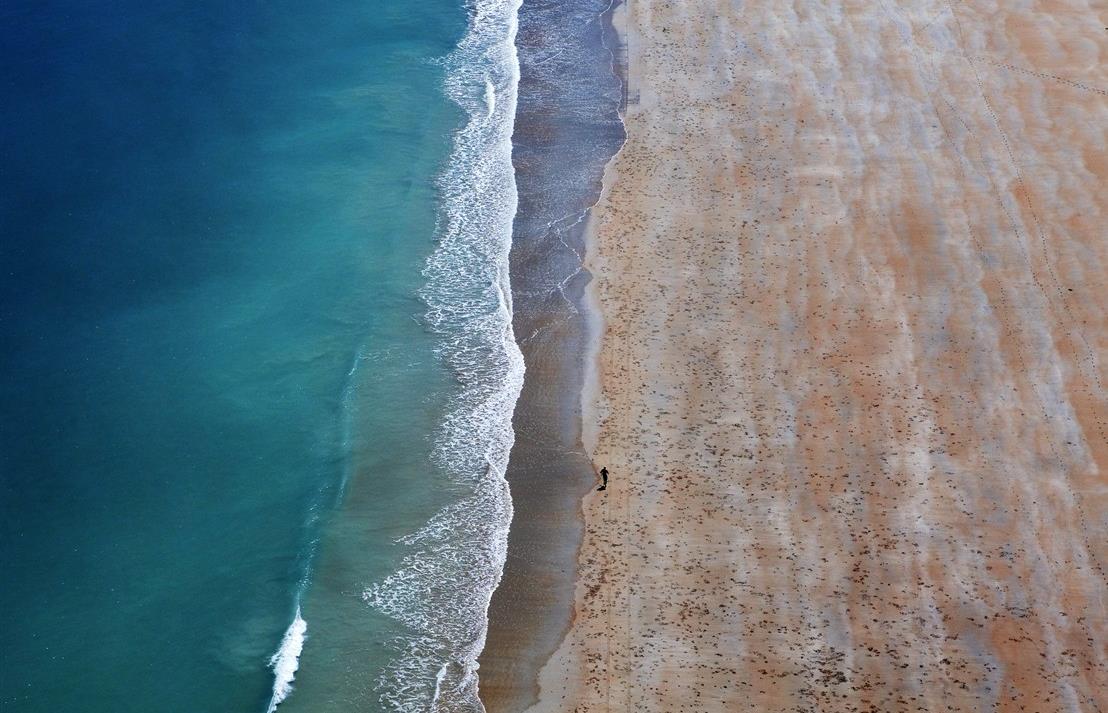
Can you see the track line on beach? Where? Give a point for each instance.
(1041, 75)
(607, 569)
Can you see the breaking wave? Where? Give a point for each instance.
(442, 589)
(286, 660)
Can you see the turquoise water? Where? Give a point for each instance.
(231, 382)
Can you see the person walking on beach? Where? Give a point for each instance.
(604, 477)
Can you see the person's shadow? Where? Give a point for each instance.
(604, 477)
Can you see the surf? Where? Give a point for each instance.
(286, 660)
(442, 589)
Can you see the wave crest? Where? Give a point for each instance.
(286, 660)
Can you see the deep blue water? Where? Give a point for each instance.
(216, 385)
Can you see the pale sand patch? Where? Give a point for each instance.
(852, 267)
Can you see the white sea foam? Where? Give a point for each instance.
(441, 591)
(490, 98)
(286, 660)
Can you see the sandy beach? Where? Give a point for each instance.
(851, 268)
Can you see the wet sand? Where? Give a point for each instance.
(852, 266)
(567, 128)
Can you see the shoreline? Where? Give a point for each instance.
(558, 116)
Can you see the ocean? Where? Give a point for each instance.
(257, 368)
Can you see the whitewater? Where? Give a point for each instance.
(442, 589)
(286, 660)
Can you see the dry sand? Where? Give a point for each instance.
(852, 265)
